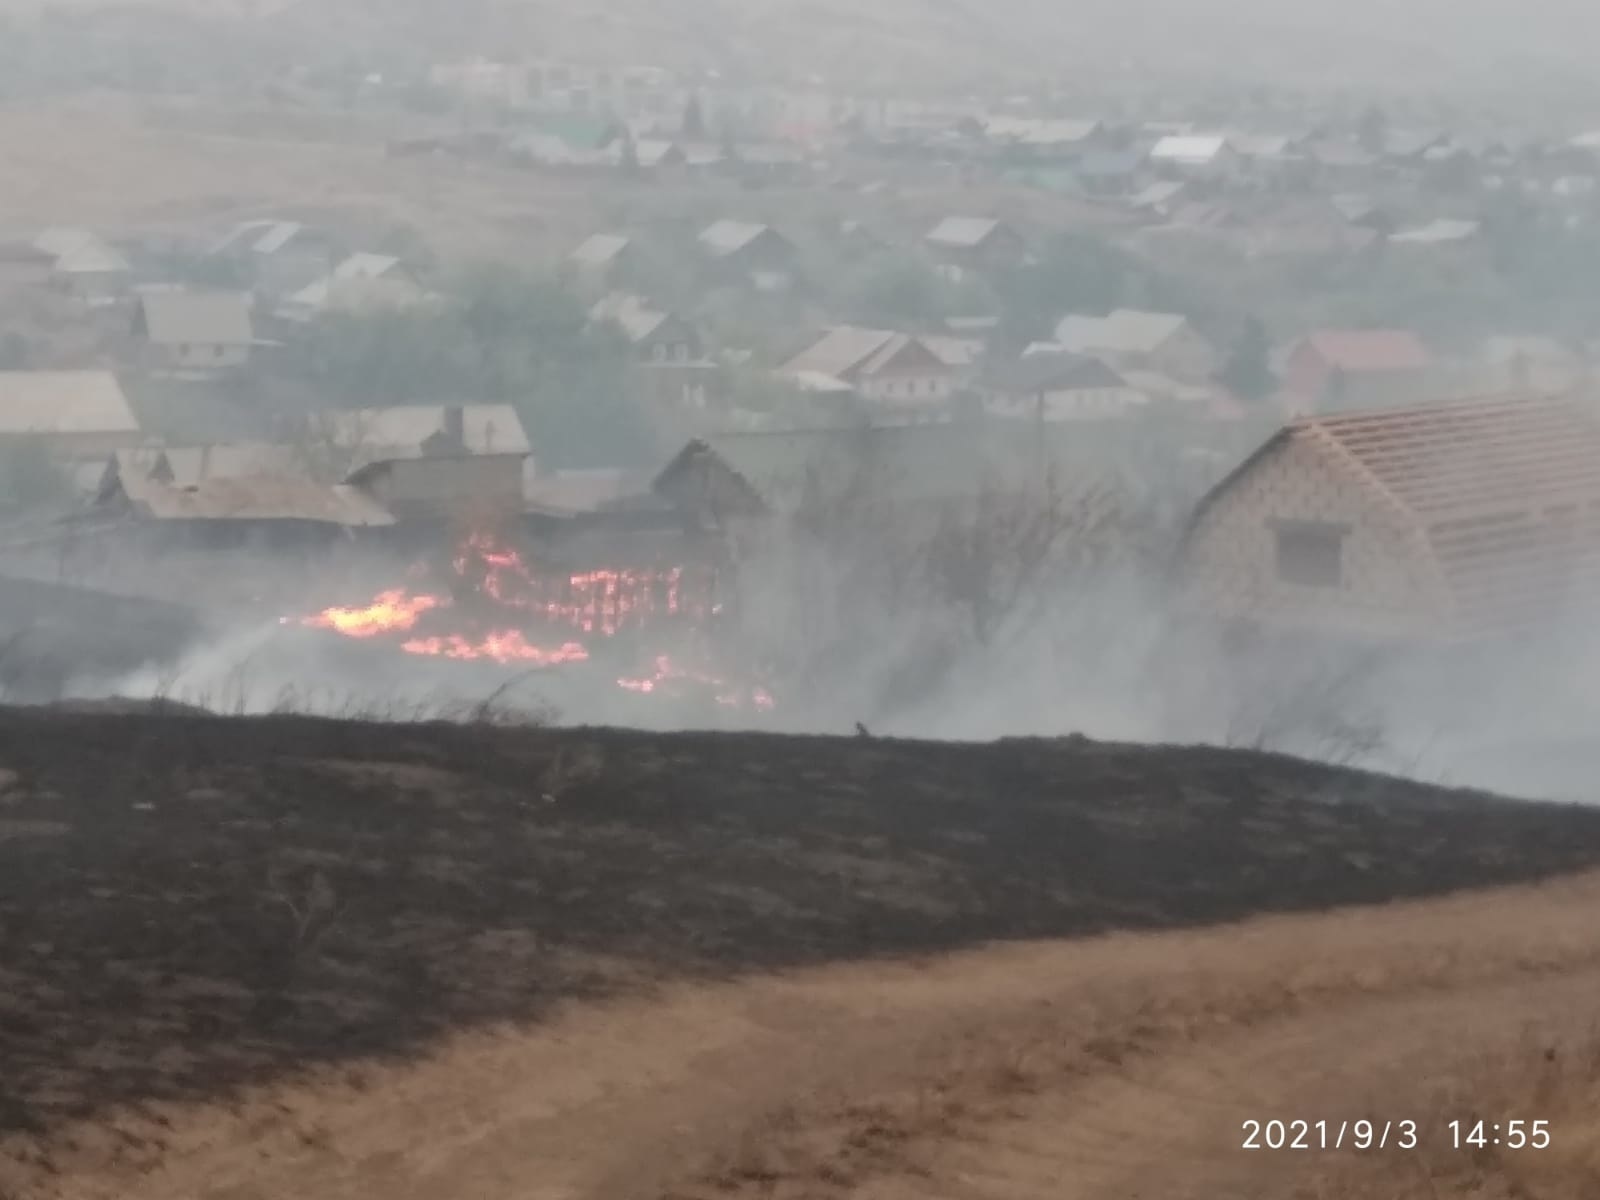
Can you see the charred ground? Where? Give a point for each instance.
(192, 903)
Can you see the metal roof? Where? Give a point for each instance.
(963, 232)
(632, 314)
(1437, 233)
(63, 402)
(196, 318)
(839, 351)
(1189, 149)
(722, 238)
(256, 498)
(1126, 331)
(381, 434)
(600, 249)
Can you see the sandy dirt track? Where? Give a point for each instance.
(1119, 1067)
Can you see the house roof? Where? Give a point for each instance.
(1356, 350)
(1050, 371)
(1110, 164)
(1437, 233)
(600, 249)
(91, 256)
(1481, 478)
(345, 284)
(196, 318)
(631, 313)
(1189, 149)
(1125, 331)
(1030, 131)
(183, 465)
(1159, 193)
(1478, 480)
(63, 402)
(256, 498)
(848, 350)
(382, 434)
(722, 238)
(962, 232)
(265, 237)
(914, 463)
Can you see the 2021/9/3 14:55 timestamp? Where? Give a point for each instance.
(1400, 1135)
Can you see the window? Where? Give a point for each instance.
(1310, 553)
(659, 352)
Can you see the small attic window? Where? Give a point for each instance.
(1310, 553)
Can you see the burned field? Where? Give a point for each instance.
(190, 903)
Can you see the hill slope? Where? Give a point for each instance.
(187, 904)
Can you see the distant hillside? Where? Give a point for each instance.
(1487, 44)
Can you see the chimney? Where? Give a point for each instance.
(455, 427)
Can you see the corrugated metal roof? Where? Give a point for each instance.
(197, 318)
(63, 402)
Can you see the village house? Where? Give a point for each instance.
(73, 415)
(600, 261)
(429, 460)
(194, 332)
(1356, 368)
(894, 369)
(85, 265)
(749, 253)
(667, 349)
(1195, 154)
(23, 265)
(1449, 521)
(977, 244)
(359, 284)
(1056, 386)
(1127, 338)
(278, 257)
(1039, 139)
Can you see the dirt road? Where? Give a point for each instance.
(1119, 1067)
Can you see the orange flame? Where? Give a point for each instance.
(390, 612)
(668, 672)
(504, 647)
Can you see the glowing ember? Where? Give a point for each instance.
(506, 647)
(670, 675)
(390, 612)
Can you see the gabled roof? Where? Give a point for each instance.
(78, 252)
(1357, 350)
(1125, 331)
(1050, 371)
(347, 283)
(1437, 233)
(631, 313)
(266, 237)
(600, 249)
(723, 238)
(184, 465)
(63, 402)
(848, 351)
(962, 233)
(196, 318)
(1158, 194)
(1189, 149)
